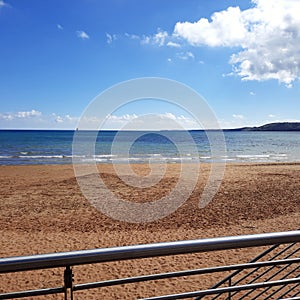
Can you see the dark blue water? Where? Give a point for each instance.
(55, 147)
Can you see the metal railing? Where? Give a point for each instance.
(266, 273)
(69, 259)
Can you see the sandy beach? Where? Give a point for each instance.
(42, 210)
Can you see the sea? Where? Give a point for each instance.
(28, 147)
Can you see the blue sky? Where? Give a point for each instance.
(243, 57)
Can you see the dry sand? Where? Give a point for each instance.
(42, 210)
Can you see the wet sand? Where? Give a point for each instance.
(42, 210)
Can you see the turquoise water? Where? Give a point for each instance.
(19, 147)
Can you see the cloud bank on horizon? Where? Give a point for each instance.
(265, 39)
(166, 121)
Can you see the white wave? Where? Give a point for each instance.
(253, 156)
(41, 156)
(104, 155)
(228, 159)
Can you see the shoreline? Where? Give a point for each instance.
(229, 162)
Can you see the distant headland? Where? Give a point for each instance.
(284, 126)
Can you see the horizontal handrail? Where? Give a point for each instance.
(53, 260)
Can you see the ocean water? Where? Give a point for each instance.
(21, 147)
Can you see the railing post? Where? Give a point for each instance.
(229, 284)
(68, 282)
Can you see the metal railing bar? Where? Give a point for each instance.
(128, 280)
(230, 276)
(265, 272)
(291, 289)
(224, 290)
(297, 293)
(280, 288)
(44, 261)
(293, 298)
(275, 256)
(31, 293)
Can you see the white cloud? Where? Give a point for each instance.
(225, 29)
(6, 116)
(110, 38)
(60, 27)
(2, 4)
(268, 33)
(165, 121)
(82, 35)
(121, 119)
(132, 36)
(59, 119)
(252, 93)
(173, 44)
(239, 117)
(28, 114)
(168, 115)
(146, 40)
(36, 119)
(21, 115)
(185, 55)
(158, 39)
(64, 119)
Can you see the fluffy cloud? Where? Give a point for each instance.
(36, 119)
(121, 119)
(267, 37)
(185, 55)
(110, 38)
(28, 114)
(225, 29)
(82, 35)
(268, 34)
(67, 119)
(173, 44)
(159, 39)
(132, 36)
(166, 121)
(239, 117)
(21, 115)
(2, 4)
